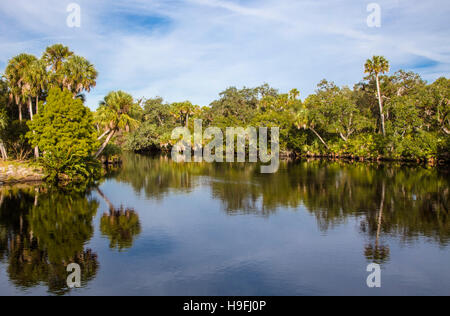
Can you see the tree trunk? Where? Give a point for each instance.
(321, 139)
(343, 137)
(104, 134)
(30, 107)
(102, 148)
(19, 105)
(3, 151)
(110, 205)
(380, 102)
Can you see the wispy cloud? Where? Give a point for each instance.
(193, 49)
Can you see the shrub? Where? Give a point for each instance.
(64, 132)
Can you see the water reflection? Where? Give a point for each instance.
(120, 225)
(388, 199)
(42, 232)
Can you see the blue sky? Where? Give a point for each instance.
(193, 49)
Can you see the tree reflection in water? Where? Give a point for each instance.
(120, 225)
(414, 200)
(42, 232)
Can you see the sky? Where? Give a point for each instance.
(194, 49)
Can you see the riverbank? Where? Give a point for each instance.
(16, 172)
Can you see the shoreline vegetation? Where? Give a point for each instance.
(20, 172)
(44, 118)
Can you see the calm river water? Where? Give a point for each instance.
(159, 228)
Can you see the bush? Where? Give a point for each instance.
(146, 139)
(64, 132)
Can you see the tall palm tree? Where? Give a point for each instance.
(16, 75)
(35, 83)
(114, 114)
(78, 75)
(376, 66)
(37, 78)
(55, 55)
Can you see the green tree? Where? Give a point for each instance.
(439, 105)
(55, 55)
(115, 114)
(78, 75)
(3, 124)
(65, 133)
(376, 66)
(182, 111)
(36, 83)
(16, 74)
(36, 79)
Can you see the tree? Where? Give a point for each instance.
(335, 110)
(183, 111)
(3, 124)
(3, 116)
(157, 112)
(36, 83)
(55, 55)
(65, 133)
(307, 120)
(237, 107)
(376, 66)
(78, 75)
(439, 111)
(116, 113)
(16, 74)
(36, 79)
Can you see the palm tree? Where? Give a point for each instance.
(37, 79)
(376, 66)
(183, 111)
(16, 75)
(78, 75)
(35, 83)
(115, 114)
(55, 55)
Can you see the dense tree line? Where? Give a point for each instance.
(42, 114)
(391, 117)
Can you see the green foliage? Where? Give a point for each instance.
(111, 152)
(147, 138)
(15, 140)
(41, 232)
(334, 121)
(64, 131)
(62, 165)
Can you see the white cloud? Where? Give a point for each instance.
(196, 48)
